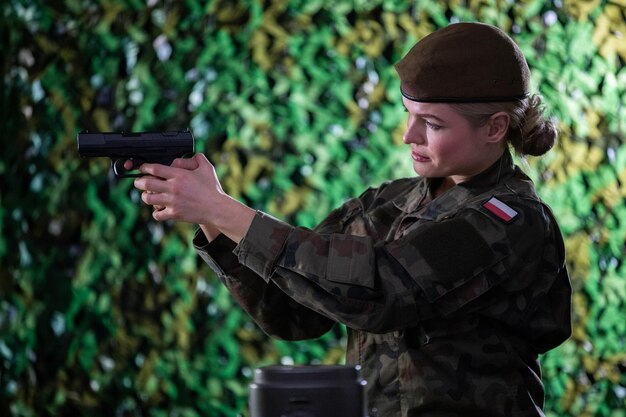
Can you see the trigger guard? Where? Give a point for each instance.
(118, 167)
(120, 171)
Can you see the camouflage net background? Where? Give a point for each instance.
(104, 312)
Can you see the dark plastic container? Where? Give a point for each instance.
(307, 391)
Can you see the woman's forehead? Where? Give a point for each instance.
(436, 110)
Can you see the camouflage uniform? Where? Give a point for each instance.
(447, 305)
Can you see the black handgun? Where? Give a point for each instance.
(141, 147)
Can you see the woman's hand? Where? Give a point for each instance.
(182, 191)
(190, 191)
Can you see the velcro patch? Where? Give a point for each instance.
(500, 209)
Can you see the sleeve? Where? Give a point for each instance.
(276, 313)
(436, 270)
(269, 306)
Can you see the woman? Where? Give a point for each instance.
(450, 283)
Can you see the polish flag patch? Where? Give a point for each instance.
(500, 209)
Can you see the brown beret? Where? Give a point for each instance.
(464, 62)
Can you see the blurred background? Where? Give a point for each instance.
(104, 312)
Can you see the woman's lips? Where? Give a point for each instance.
(419, 157)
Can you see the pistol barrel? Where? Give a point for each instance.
(140, 145)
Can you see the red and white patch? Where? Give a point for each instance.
(500, 209)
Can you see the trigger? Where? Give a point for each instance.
(120, 171)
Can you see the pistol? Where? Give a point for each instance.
(140, 147)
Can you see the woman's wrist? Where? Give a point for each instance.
(229, 217)
(210, 232)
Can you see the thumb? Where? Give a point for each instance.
(185, 163)
(202, 161)
(208, 169)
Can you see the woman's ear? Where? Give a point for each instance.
(497, 127)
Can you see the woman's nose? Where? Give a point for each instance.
(413, 134)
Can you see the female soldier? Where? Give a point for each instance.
(450, 283)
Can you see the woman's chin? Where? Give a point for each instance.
(422, 170)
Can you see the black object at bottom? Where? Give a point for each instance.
(307, 391)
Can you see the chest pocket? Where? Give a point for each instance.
(453, 261)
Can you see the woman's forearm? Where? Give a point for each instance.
(233, 219)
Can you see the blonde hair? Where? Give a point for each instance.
(530, 132)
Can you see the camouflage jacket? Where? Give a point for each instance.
(447, 301)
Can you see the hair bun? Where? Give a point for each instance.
(538, 134)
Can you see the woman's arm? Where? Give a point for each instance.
(188, 190)
(349, 279)
(439, 269)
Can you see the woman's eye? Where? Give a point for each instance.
(432, 126)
